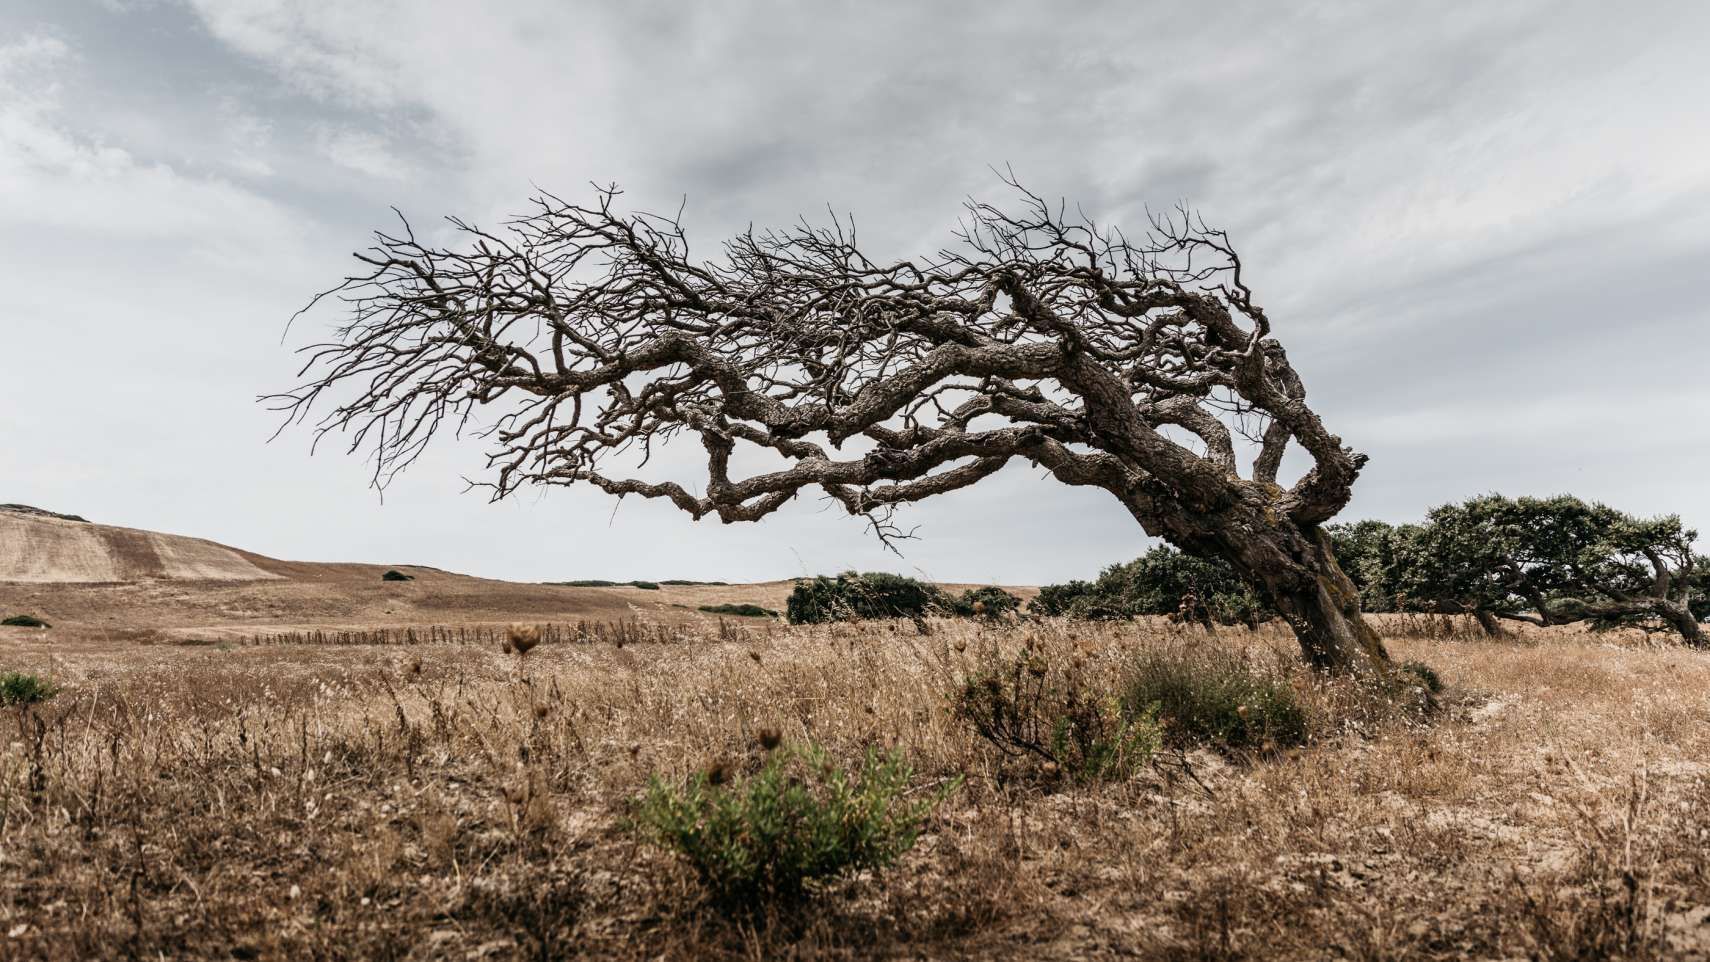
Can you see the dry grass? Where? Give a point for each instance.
(453, 802)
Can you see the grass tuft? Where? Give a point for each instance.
(769, 838)
(1215, 698)
(18, 688)
(1050, 712)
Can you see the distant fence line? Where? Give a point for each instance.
(631, 631)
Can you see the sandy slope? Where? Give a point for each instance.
(41, 549)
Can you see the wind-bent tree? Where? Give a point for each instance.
(1553, 561)
(592, 334)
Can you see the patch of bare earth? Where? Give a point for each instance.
(453, 802)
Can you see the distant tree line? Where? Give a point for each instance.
(1544, 561)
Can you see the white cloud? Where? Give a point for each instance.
(364, 152)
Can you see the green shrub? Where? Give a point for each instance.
(853, 596)
(1056, 600)
(801, 819)
(25, 621)
(1215, 699)
(17, 688)
(741, 611)
(1156, 583)
(1428, 677)
(395, 575)
(685, 581)
(1054, 715)
(988, 601)
(601, 583)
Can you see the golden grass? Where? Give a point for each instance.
(457, 802)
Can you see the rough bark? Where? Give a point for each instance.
(1322, 605)
(1679, 617)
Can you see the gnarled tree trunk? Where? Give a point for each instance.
(1679, 617)
(1488, 622)
(1320, 602)
(1294, 564)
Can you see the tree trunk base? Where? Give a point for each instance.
(1679, 617)
(1324, 612)
(1488, 622)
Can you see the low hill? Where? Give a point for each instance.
(102, 583)
(43, 547)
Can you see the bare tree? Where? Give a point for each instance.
(1137, 367)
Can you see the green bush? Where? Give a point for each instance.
(741, 611)
(25, 621)
(1057, 600)
(801, 819)
(853, 596)
(395, 575)
(1156, 583)
(988, 601)
(601, 583)
(1428, 677)
(1055, 716)
(1215, 699)
(17, 688)
(685, 581)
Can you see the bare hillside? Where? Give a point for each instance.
(41, 547)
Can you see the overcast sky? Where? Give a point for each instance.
(1482, 229)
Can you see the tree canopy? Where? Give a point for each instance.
(1553, 561)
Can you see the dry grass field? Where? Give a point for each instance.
(454, 802)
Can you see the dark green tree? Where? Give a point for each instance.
(1553, 561)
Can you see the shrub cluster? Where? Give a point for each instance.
(601, 583)
(801, 819)
(17, 688)
(1215, 699)
(856, 596)
(1056, 717)
(1163, 581)
(24, 621)
(740, 611)
(395, 575)
(988, 601)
